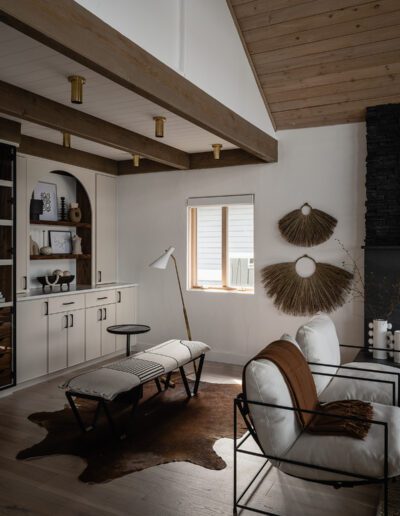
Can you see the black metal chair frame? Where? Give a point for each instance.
(241, 405)
(136, 392)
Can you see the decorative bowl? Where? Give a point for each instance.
(50, 281)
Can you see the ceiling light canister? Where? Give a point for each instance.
(217, 150)
(77, 83)
(159, 126)
(136, 160)
(66, 140)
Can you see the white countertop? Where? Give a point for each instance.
(37, 293)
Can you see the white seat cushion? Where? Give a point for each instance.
(343, 389)
(121, 376)
(363, 457)
(319, 343)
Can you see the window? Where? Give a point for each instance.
(221, 243)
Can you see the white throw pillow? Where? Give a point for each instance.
(319, 343)
(291, 339)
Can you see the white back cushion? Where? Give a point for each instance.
(319, 343)
(277, 429)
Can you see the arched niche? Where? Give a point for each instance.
(74, 191)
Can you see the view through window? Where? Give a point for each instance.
(221, 242)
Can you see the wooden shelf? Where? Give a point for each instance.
(61, 257)
(66, 223)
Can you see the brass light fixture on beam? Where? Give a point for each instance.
(159, 129)
(217, 150)
(66, 140)
(136, 160)
(77, 82)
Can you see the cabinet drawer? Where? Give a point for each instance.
(103, 297)
(66, 303)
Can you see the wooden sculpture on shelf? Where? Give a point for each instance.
(325, 290)
(307, 226)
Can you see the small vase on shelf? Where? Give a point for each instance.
(75, 214)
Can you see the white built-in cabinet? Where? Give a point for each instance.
(22, 226)
(67, 330)
(106, 239)
(32, 329)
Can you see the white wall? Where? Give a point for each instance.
(197, 38)
(323, 166)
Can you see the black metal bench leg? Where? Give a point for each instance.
(76, 413)
(198, 374)
(111, 421)
(157, 381)
(185, 382)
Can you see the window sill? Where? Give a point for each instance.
(221, 290)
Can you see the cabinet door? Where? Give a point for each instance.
(58, 338)
(106, 241)
(93, 332)
(76, 337)
(107, 339)
(31, 340)
(125, 313)
(22, 226)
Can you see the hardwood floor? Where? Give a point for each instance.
(50, 486)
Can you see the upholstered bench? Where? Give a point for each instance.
(129, 374)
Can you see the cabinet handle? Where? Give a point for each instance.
(72, 320)
(69, 303)
(66, 321)
(24, 283)
(100, 312)
(46, 308)
(105, 313)
(99, 276)
(100, 298)
(119, 296)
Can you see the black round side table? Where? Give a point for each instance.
(128, 330)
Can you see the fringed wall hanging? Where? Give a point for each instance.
(324, 290)
(307, 226)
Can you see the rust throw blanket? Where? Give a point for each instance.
(298, 377)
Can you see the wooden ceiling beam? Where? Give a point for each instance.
(28, 106)
(10, 131)
(75, 32)
(198, 161)
(42, 149)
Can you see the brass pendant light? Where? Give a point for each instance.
(217, 150)
(77, 83)
(66, 140)
(136, 160)
(159, 126)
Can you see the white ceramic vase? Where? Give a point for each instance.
(396, 346)
(379, 335)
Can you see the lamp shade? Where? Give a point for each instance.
(162, 261)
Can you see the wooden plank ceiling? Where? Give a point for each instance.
(321, 62)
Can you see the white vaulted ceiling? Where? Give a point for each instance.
(35, 67)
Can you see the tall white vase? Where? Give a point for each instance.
(396, 346)
(380, 328)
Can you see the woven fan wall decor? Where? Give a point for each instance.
(307, 226)
(325, 290)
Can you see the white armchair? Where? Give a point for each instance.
(320, 345)
(267, 408)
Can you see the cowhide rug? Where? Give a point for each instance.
(166, 427)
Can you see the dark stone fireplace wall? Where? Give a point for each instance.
(382, 219)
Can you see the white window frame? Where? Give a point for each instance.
(224, 202)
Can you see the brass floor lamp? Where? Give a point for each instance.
(162, 263)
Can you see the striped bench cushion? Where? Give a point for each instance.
(123, 375)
